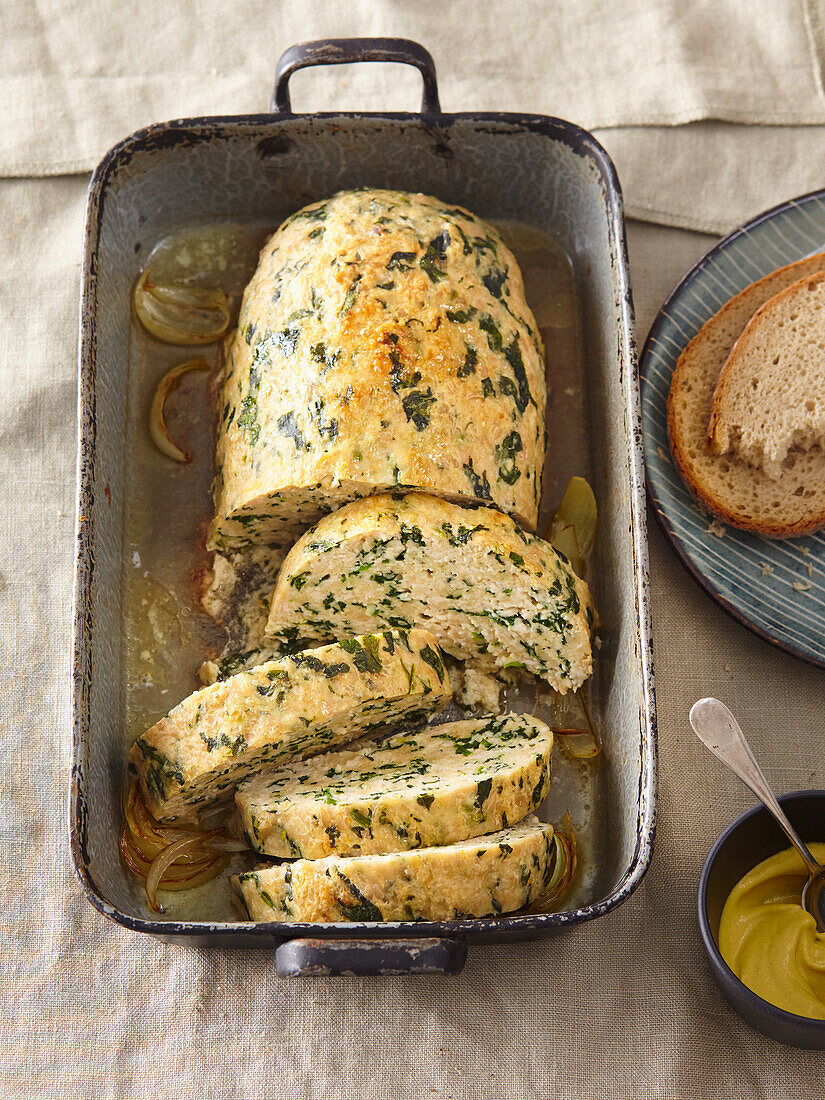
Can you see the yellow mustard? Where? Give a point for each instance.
(770, 942)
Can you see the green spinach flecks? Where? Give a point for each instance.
(310, 661)
(160, 770)
(362, 908)
(236, 745)
(491, 331)
(400, 261)
(436, 253)
(248, 419)
(508, 387)
(483, 245)
(402, 377)
(512, 354)
(364, 654)
(350, 296)
(433, 659)
(288, 426)
(483, 790)
(461, 316)
(411, 533)
(460, 537)
(495, 279)
(360, 818)
(287, 340)
(480, 484)
(328, 428)
(235, 662)
(506, 451)
(470, 362)
(416, 405)
(317, 215)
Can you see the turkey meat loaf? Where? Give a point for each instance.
(282, 710)
(384, 341)
(411, 790)
(481, 877)
(489, 592)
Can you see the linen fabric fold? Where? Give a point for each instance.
(78, 78)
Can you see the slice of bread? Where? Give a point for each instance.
(770, 397)
(738, 493)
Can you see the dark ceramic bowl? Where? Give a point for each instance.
(751, 838)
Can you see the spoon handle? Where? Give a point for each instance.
(719, 731)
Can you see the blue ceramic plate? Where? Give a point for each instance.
(774, 587)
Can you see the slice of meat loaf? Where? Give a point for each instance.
(489, 592)
(280, 711)
(412, 790)
(483, 877)
(383, 341)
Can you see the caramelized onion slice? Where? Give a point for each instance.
(180, 314)
(132, 856)
(578, 509)
(580, 744)
(195, 875)
(569, 718)
(573, 527)
(564, 870)
(162, 863)
(157, 414)
(170, 857)
(226, 844)
(565, 541)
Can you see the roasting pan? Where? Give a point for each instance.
(529, 168)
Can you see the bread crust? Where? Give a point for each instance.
(699, 366)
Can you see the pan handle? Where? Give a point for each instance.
(303, 958)
(347, 51)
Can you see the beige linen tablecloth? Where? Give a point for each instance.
(77, 77)
(623, 1007)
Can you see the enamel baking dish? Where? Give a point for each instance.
(541, 171)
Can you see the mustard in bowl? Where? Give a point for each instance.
(763, 947)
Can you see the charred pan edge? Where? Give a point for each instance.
(501, 929)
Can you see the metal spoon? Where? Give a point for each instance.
(719, 731)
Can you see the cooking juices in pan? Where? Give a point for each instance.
(168, 506)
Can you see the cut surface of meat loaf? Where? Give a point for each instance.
(383, 341)
(482, 877)
(412, 790)
(489, 592)
(294, 707)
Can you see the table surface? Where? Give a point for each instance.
(622, 1007)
